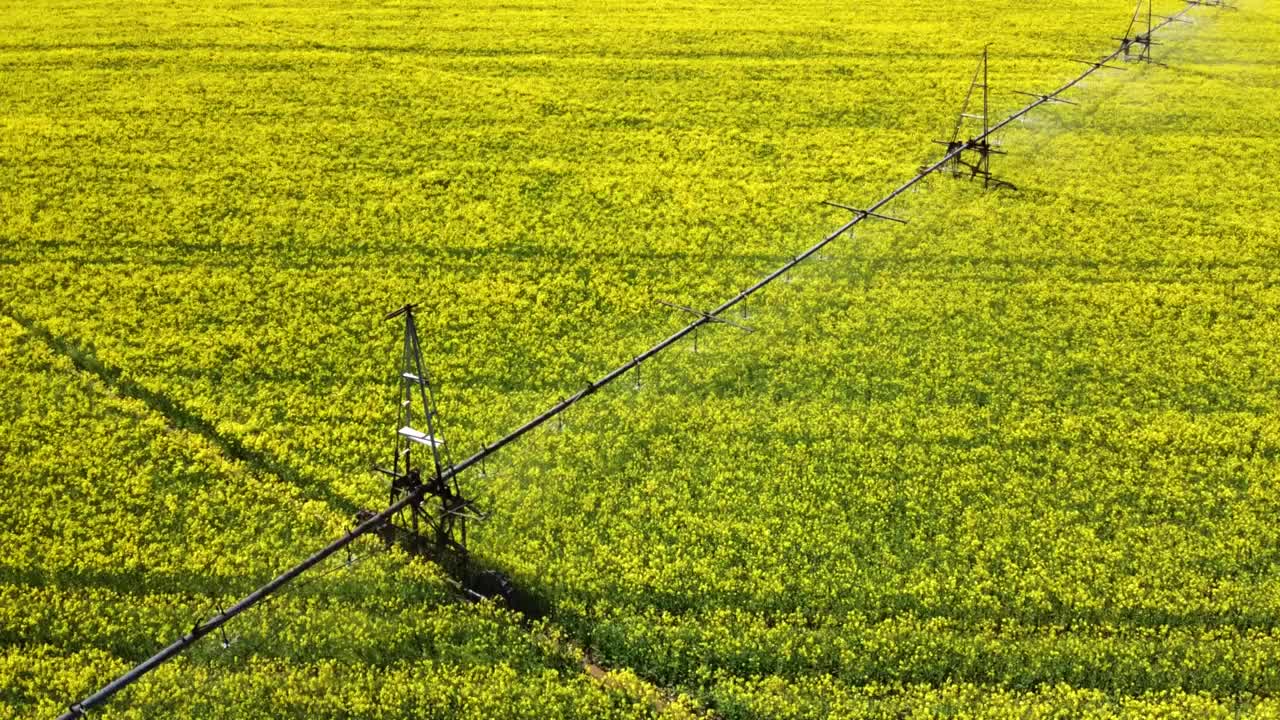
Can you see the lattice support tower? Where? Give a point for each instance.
(1136, 43)
(436, 522)
(972, 156)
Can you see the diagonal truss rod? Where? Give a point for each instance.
(712, 318)
(80, 710)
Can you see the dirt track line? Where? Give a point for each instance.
(181, 417)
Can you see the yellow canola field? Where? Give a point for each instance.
(1017, 458)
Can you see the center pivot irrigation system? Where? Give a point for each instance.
(428, 512)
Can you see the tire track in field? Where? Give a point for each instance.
(181, 417)
(409, 62)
